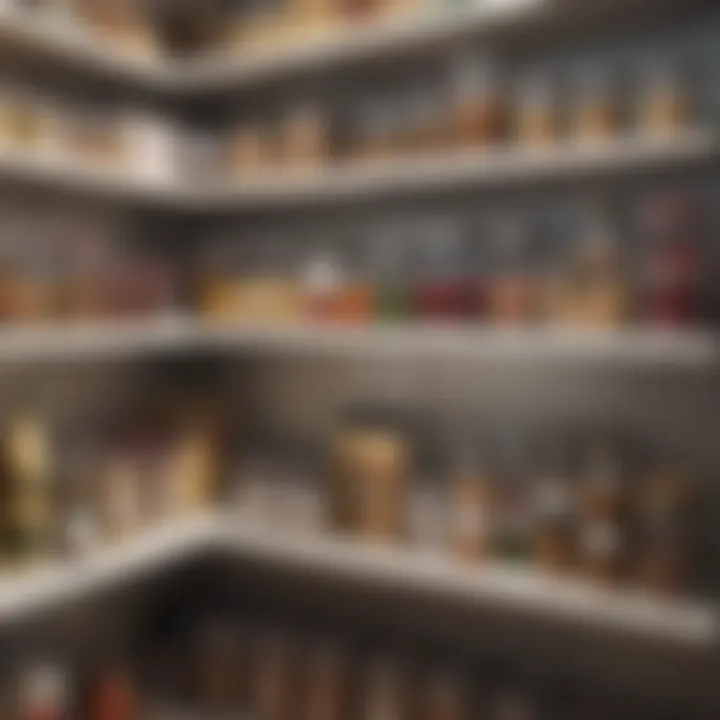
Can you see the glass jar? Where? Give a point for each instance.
(554, 509)
(384, 692)
(511, 293)
(322, 278)
(371, 460)
(44, 694)
(478, 106)
(665, 107)
(275, 670)
(389, 241)
(594, 116)
(442, 288)
(536, 121)
(595, 292)
(304, 138)
(327, 684)
(673, 258)
(471, 503)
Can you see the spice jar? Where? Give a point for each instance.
(673, 259)
(113, 695)
(355, 300)
(663, 506)
(443, 290)
(44, 694)
(393, 284)
(593, 291)
(29, 466)
(511, 293)
(602, 511)
(326, 683)
(537, 122)
(477, 107)
(371, 462)
(555, 521)
(218, 658)
(121, 500)
(445, 696)
(304, 138)
(665, 108)
(384, 692)
(471, 505)
(512, 499)
(274, 683)
(594, 116)
(249, 151)
(322, 278)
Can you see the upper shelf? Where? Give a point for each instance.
(77, 341)
(63, 48)
(76, 52)
(488, 169)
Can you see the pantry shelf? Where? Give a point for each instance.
(44, 588)
(184, 334)
(446, 172)
(59, 341)
(492, 586)
(465, 170)
(653, 347)
(373, 40)
(54, 43)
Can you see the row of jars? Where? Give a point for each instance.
(563, 502)
(504, 268)
(130, 142)
(221, 668)
(124, 23)
(63, 264)
(280, 671)
(69, 495)
(474, 105)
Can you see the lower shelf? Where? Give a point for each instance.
(489, 586)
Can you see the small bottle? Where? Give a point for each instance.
(44, 694)
(274, 679)
(356, 297)
(113, 695)
(537, 124)
(672, 260)
(511, 293)
(384, 691)
(304, 138)
(555, 522)
(602, 512)
(662, 531)
(594, 116)
(478, 113)
(392, 276)
(446, 696)
(442, 285)
(322, 280)
(327, 681)
(471, 505)
(665, 108)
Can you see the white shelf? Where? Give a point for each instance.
(492, 586)
(373, 40)
(62, 45)
(623, 347)
(58, 341)
(47, 587)
(467, 169)
(445, 172)
(53, 342)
